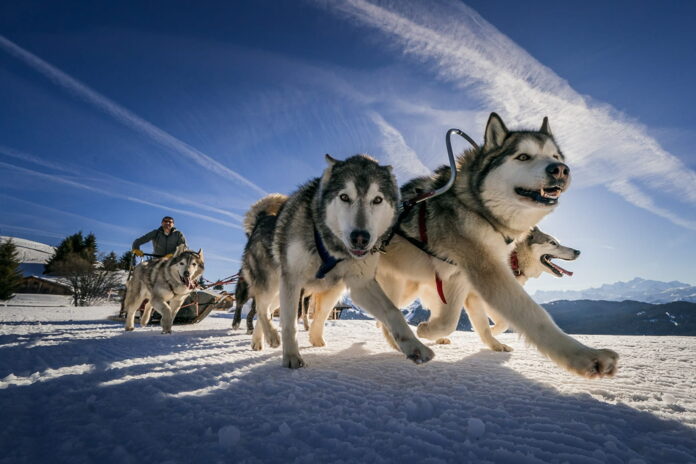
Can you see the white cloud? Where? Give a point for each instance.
(462, 48)
(105, 179)
(123, 115)
(78, 185)
(402, 157)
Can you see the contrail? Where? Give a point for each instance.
(63, 180)
(103, 178)
(464, 49)
(402, 157)
(123, 115)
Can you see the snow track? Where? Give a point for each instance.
(74, 387)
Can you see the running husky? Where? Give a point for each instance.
(532, 257)
(164, 284)
(502, 190)
(323, 241)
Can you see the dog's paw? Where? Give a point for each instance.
(250, 331)
(293, 360)
(316, 340)
(235, 325)
(421, 355)
(497, 346)
(596, 363)
(273, 339)
(443, 341)
(129, 329)
(256, 345)
(166, 331)
(426, 330)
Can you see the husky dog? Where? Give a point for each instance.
(502, 190)
(241, 296)
(531, 257)
(323, 242)
(164, 283)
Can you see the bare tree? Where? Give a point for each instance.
(88, 283)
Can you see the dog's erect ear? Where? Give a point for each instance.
(495, 132)
(545, 128)
(330, 160)
(200, 253)
(180, 249)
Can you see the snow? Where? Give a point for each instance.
(29, 251)
(74, 387)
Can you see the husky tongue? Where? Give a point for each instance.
(559, 268)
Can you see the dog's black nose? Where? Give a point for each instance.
(359, 238)
(558, 170)
(577, 253)
(187, 274)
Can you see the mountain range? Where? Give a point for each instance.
(648, 291)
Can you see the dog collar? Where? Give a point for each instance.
(328, 262)
(515, 264)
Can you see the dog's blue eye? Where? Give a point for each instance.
(377, 200)
(344, 197)
(523, 157)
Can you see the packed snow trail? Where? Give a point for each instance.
(74, 387)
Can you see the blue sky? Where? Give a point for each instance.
(115, 115)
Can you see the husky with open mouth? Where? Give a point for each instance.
(501, 192)
(323, 241)
(163, 284)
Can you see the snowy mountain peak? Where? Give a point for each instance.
(29, 251)
(638, 289)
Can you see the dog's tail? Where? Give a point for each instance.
(269, 205)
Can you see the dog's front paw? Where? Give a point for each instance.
(316, 340)
(250, 331)
(129, 329)
(293, 360)
(235, 325)
(273, 339)
(421, 355)
(596, 363)
(257, 345)
(426, 330)
(497, 346)
(443, 341)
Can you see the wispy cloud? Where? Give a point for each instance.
(78, 185)
(106, 179)
(123, 115)
(402, 157)
(61, 212)
(464, 49)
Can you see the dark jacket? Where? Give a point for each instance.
(161, 244)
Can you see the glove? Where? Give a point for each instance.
(138, 253)
(168, 255)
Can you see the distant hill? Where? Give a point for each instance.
(32, 255)
(649, 291)
(608, 317)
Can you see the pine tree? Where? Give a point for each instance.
(126, 260)
(110, 262)
(10, 275)
(84, 247)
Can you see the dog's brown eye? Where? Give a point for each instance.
(345, 198)
(377, 200)
(523, 157)
(554, 243)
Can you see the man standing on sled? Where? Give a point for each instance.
(164, 239)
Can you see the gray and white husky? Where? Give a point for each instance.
(531, 257)
(163, 284)
(323, 241)
(502, 190)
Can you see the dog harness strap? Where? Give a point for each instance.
(328, 262)
(440, 291)
(514, 264)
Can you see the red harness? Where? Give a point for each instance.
(515, 265)
(423, 231)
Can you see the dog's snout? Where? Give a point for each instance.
(187, 274)
(558, 170)
(359, 238)
(577, 253)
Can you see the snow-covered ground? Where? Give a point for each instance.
(74, 387)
